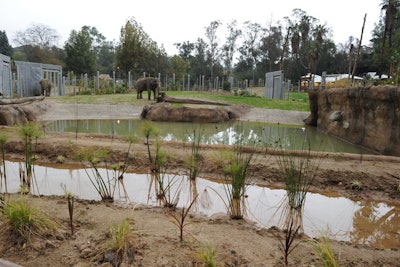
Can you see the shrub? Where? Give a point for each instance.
(25, 221)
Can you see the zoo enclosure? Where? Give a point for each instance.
(25, 82)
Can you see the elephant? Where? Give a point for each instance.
(46, 86)
(147, 84)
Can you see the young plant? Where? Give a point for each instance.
(297, 171)
(29, 133)
(356, 185)
(207, 254)
(179, 218)
(105, 186)
(193, 161)
(120, 245)
(70, 200)
(148, 130)
(237, 178)
(3, 174)
(287, 245)
(326, 254)
(292, 224)
(25, 221)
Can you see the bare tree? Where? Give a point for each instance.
(39, 35)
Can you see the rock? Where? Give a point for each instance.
(164, 112)
(372, 116)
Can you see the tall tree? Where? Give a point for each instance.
(136, 52)
(37, 35)
(80, 56)
(229, 48)
(5, 47)
(213, 52)
(271, 46)
(250, 49)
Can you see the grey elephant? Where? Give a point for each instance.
(46, 86)
(149, 84)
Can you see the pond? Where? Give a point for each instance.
(376, 224)
(254, 133)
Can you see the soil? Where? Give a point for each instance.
(154, 237)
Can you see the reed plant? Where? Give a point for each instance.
(3, 173)
(121, 244)
(25, 221)
(297, 170)
(105, 184)
(148, 130)
(29, 133)
(237, 177)
(326, 254)
(192, 162)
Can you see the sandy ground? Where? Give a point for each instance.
(153, 235)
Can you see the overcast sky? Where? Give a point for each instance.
(173, 21)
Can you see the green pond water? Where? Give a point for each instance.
(249, 133)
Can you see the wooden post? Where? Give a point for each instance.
(358, 50)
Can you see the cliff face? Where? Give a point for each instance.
(366, 116)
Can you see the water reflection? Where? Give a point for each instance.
(214, 133)
(372, 223)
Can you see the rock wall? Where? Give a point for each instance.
(367, 116)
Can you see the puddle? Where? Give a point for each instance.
(291, 137)
(376, 224)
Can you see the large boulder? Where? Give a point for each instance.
(166, 112)
(20, 111)
(368, 116)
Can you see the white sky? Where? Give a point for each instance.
(173, 21)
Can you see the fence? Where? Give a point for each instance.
(29, 75)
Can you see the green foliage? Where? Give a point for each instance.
(192, 162)
(29, 133)
(80, 56)
(207, 254)
(5, 47)
(297, 171)
(226, 86)
(25, 221)
(105, 186)
(121, 243)
(237, 178)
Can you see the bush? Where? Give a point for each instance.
(226, 86)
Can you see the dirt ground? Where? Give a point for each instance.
(154, 236)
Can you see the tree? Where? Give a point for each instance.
(250, 49)
(212, 53)
(5, 47)
(271, 47)
(81, 58)
(229, 47)
(138, 53)
(37, 35)
(106, 58)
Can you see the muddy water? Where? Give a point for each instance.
(375, 224)
(268, 135)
